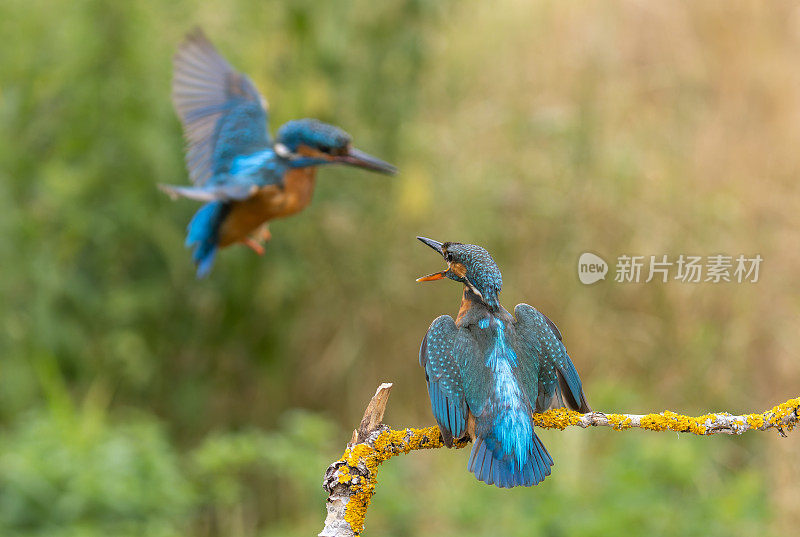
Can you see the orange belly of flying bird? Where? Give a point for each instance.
(268, 203)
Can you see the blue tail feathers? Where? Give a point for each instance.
(504, 470)
(202, 235)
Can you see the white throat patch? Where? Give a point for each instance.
(474, 289)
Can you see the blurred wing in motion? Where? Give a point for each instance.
(436, 355)
(222, 113)
(234, 188)
(539, 340)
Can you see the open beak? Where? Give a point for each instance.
(358, 158)
(432, 277)
(436, 245)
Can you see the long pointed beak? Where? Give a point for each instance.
(358, 158)
(432, 277)
(436, 245)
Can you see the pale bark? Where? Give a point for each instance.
(350, 481)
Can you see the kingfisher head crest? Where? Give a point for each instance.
(471, 265)
(310, 142)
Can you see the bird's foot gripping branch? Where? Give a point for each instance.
(351, 481)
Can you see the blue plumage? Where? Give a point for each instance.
(312, 133)
(444, 378)
(201, 235)
(488, 372)
(231, 157)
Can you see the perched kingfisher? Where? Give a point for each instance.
(245, 177)
(487, 372)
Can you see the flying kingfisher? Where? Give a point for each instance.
(245, 177)
(487, 372)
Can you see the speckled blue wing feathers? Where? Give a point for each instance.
(571, 388)
(568, 379)
(540, 340)
(553, 327)
(222, 113)
(444, 378)
(506, 451)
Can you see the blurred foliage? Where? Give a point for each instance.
(136, 400)
(648, 485)
(76, 474)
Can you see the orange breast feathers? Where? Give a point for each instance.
(268, 203)
(466, 304)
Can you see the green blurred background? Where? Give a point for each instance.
(136, 400)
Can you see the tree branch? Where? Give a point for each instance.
(351, 481)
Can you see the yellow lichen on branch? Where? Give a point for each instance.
(351, 480)
(781, 417)
(384, 446)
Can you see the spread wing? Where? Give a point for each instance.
(222, 113)
(539, 340)
(445, 387)
(244, 177)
